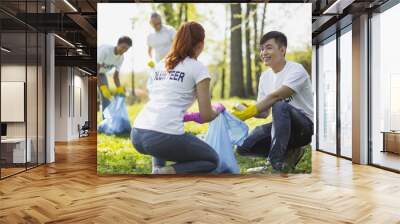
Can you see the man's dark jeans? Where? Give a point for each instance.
(290, 129)
(103, 100)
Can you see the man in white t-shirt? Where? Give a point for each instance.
(285, 90)
(160, 40)
(111, 57)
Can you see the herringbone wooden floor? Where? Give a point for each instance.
(70, 191)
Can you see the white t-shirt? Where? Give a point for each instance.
(107, 58)
(294, 76)
(172, 93)
(161, 41)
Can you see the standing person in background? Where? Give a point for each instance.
(109, 57)
(159, 42)
(159, 127)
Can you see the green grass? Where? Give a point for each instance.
(116, 155)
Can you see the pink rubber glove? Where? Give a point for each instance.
(219, 107)
(195, 116)
(192, 116)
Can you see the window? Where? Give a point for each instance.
(327, 96)
(385, 86)
(346, 93)
(22, 74)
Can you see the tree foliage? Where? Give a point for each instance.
(175, 14)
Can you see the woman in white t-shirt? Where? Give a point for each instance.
(178, 81)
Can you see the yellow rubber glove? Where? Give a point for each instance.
(120, 90)
(245, 104)
(240, 106)
(106, 93)
(249, 112)
(151, 64)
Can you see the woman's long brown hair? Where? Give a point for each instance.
(188, 36)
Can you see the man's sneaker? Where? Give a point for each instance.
(163, 170)
(255, 170)
(281, 168)
(294, 156)
(155, 170)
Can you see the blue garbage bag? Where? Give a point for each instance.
(224, 132)
(116, 120)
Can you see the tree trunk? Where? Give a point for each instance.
(256, 42)
(180, 14)
(186, 11)
(249, 80)
(263, 19)
(236, 65)
(255, 47)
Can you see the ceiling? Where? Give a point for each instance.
(331, 15)
(76, 22)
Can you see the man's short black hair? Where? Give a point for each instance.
(279, 37)
(155, 15)
(125, 40)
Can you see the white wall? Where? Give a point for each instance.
(61, 103)
(79, 112)
(71, 94)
